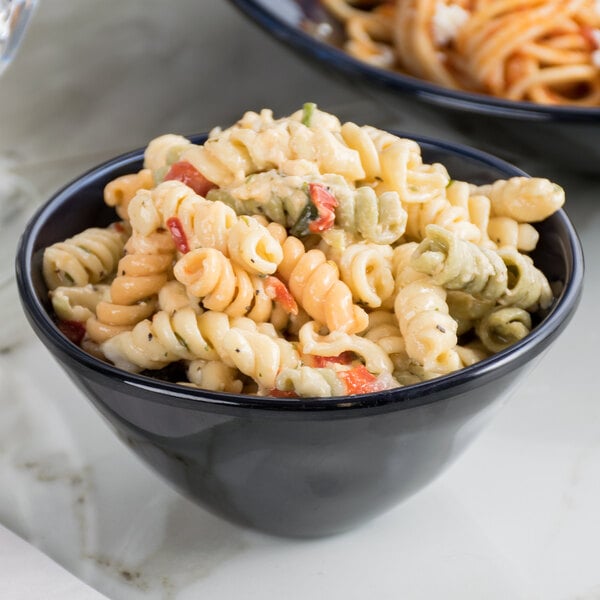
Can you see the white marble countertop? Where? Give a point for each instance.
(516, 518)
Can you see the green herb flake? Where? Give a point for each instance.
(308, 110)
(301, 227)
(181, 340)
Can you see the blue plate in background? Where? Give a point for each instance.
(564, 135)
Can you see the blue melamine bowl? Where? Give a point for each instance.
(309, 467)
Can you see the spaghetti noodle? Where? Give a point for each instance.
(544, 51)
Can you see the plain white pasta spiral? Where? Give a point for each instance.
(366, 270)
(221, 285)
(439, 211)
(258, 143)
(375, 358)
(259, 355)
(88, 257)
(164, 150)
(167, 338)
(310, 382)
(204, 223)
(525, 199)
(210, 336)
(214, 375)
(78, 303)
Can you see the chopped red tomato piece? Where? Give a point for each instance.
(325, 202)
(282, 394)
(345, 358)
(588, 35)
(278, 291)
(73, 330)
(360, 381)
(186, 173)
(178, 234)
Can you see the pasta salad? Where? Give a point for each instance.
(302, 257)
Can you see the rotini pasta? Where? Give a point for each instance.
(430, 333)
(366, 270)
(88, 257)
(141, 274)
(524, 199)
(210, 336)
(223, 286)
(314, 283)
(198, 223)
(119, 192)
(214, 375)
(457, 264)
(299, 257)
(502, 327)
(78, 303)
(316, 382)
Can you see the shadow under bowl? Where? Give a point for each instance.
(306, 467)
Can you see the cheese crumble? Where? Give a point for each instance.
(447, 21)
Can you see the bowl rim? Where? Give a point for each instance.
(399, 398)
(329, 54)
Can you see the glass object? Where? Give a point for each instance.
(14, 17)
(18, 198)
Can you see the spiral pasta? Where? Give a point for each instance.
(337, 342)
(299, 257)
(210, 336)
(141, 274)
(366, 270)
(163, 151)
(527, 286)
(214, 375)
(198, 223)
(88, 257)
(315, 284)
(223, 286)
(166, 338)
(505, 276)
(258, 142)
(78, 303)
(502, 327)
(460, 265)
(439, 211)
(524, 199)
(420, 306)
(315, 382)
(119, 192)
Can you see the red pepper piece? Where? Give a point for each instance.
(360, 381)
(325, 202)
(186, 173)
(178, 234)
(278, 291)
(282, 394)
(73, 330)
(345, 358)
(588, 35)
